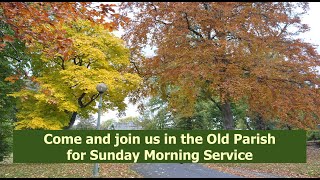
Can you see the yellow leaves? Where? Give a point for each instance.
(100, 46)
(69, 106)
(37, 123)
(132, 80)
(38, 113)
(69, 77)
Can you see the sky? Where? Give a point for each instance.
(312, 19)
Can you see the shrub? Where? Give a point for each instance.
(313, 135)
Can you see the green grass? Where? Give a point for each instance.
(64, 170)
(309, 169)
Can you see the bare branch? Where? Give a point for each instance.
(136, 67)
(189, 26)
(283, 29)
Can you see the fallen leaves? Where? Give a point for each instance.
(67, 170)
(301, 170)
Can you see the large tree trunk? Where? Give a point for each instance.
(72, 120)
(227, 117)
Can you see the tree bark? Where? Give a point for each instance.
(260, 125)
(189, 123)
(289, 127)
(72, 120)
(247, 124)
(227, 117)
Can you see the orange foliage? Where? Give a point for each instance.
(12, 79)
(234, 51)
(30, 20)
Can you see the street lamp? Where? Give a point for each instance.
(101, 88)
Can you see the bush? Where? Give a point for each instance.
(313, 135)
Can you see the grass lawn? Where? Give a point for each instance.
(66, 170)
(309, 169)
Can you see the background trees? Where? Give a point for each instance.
(229, 53)
(12, 63)
(85, 123)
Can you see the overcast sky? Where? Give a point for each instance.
(312, 18)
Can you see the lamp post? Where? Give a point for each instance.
(101, 88)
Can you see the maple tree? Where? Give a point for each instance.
(230, 52)
(63, 87)
(41, 22)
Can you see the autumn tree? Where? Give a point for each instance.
(65, 86)
(34, 23)
(231, 52)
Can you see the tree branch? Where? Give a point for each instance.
(284, 80)
(94, 97)
(283, 29)
(88, 64)
(80, 100)
(74, 61)
(155, 7)
(136, 67)
(74, 86)
(62, 64)
(157, 20)
(189, 27)
(219, 107)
